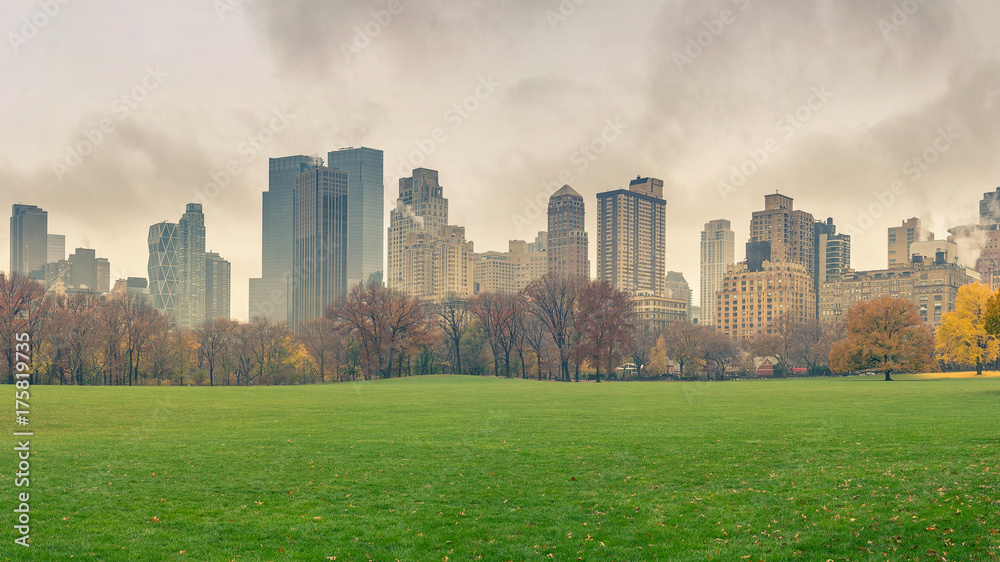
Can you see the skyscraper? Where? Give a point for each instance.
(900, 238)
(365, 211)
(421, 206)
(989, 208)
(319, 253)
(217, 286)
(791, 233)
(718, 249)
(56, 248)
(833, 252)
(163, 269)
(631, 237)
(177, 267)
(269, 293)
(191, 265)
(29, 231)
(567, 238)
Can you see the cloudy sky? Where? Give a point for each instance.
(115, 114)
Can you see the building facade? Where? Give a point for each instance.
(718, 253)
(656, 311)
(56, 250)
(901, 237)
(218, 279)
(511, 271)
(319, 253)
(270, 293)
(631, 237)
(750, 302)
(176, 267)
(421, 206)
(568, 245)
(788, 234)
(29, 238)
(365, 211)
(439, 264)
(932, 289)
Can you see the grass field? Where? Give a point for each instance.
(462, 468)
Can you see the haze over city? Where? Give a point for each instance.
(830, 103)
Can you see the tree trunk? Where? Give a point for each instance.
(979, 366)
(887, 377)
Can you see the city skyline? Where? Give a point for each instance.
(771, 102)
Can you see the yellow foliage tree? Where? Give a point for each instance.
(962, 337)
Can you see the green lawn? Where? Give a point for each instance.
(463, 468)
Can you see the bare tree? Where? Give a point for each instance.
(215, 344)
(453, 317)
(23, 308)
(606, 318)
(552, 300)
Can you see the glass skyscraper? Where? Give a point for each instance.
(319, 259)
(365, 204)
(29, 233)
(269, 294)
(177, 267)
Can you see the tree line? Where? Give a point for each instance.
(555, 329)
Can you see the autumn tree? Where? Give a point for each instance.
(606, 320)
(502, 317)
(962, 337)
(23, 309)
(453, 316)
(884, 334)
(719, 352)
(684, 342)
(552, 300)
(383, 320)
(215, 342)
(812, 341)
(322, 340)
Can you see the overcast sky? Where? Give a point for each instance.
(828, 102)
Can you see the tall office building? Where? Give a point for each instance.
(217, 286)
(677, 287)
(29, 232)
(269, 293)
(900, 238)
(56, 248)
(421, 206)
(790, 233)
(833, 251)
(989, 208)
(163, 268)
(365, 211)
(103, 271)
(83, 269)
(631, 237)
(191, 251)
(511, 271)
(177, 267)
(567, 238)
(718, 249)
(752, 300)
(438, 264)
(319, 253)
